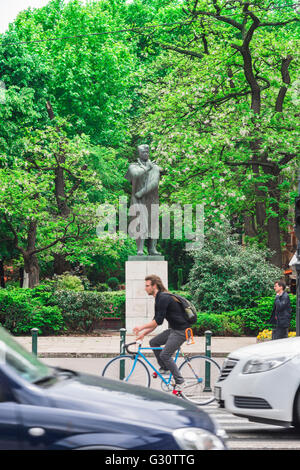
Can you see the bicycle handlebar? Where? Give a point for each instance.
(130, 344)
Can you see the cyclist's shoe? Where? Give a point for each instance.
(178, 388)
(163, 371)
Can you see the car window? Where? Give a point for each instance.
(25, 364)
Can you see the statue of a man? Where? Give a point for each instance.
(144, 176)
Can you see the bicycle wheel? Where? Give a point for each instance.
(125, 368)
(200, 373)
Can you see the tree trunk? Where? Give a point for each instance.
(31, 264)
(61, 265)
(249, 226)
(273, 227)
(2, 280)
(31, 270)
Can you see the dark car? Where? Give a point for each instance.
(46, 408)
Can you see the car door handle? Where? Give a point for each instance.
(36, 432)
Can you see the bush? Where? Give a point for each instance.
(69, 282)
(257, 318)
(20, 311)
(102, 287)
(113, 283)
(243, 321)
(52, 310)
(83, 310)
(114, 304)
(218, 324)
(226, 275)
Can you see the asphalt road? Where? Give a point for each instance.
(242, 434)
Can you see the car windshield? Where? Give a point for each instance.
(25, 364)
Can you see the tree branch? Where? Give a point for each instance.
(287, 158)
(222, 18)
(180, 51)
(280, 23)
(60, 239)
(253, 162)
(286, 79)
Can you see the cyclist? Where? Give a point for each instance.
(169, 308)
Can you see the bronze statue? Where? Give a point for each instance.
(144, 176)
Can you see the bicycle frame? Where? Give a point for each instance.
(141, 355)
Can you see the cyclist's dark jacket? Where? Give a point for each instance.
(171, 310)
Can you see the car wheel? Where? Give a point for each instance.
(296, 422)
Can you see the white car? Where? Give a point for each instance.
(262, 382)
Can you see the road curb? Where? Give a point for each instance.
(110, 355)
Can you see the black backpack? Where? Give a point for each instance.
(189, 309)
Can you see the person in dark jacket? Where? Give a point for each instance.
(169, 308)
(281, 314)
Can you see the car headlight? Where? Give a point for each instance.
(197, 439)
(264, 364)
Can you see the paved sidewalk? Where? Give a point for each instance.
(108, 345)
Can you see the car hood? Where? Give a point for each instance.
(269, 348)
(125, 402)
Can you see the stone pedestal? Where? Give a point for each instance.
(139, 305)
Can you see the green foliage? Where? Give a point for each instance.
(20, 311)
(83, 310)
(227, 275)
(69, 282)
(90, 76)
(102, 287)
(243, 321)
(184, 90)
(57, 311)
(197, 111)
(113, 282)
(218, 324)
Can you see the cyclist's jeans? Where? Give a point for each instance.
(172, 339)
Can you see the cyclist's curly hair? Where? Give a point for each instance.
(157, 281)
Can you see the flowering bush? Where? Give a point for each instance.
(266, 335)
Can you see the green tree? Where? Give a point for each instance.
(46, 206)
(220, 110)
(91, 70)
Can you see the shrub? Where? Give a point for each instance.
(243, 321)
(83, 310)
(20, 311)
(226, 275)
(69, 282)
(113, 282)
(102, 287)
(218, 324)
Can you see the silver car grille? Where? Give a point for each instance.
(227, 367)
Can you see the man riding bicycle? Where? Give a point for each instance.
(169, 308)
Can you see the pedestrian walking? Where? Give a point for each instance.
(169, 308)
(281, 313)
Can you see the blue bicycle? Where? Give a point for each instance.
(199, 373)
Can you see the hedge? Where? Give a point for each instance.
(68, 311)
(57, 311)
(242, 321)
(20, 311)
(82, 311)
